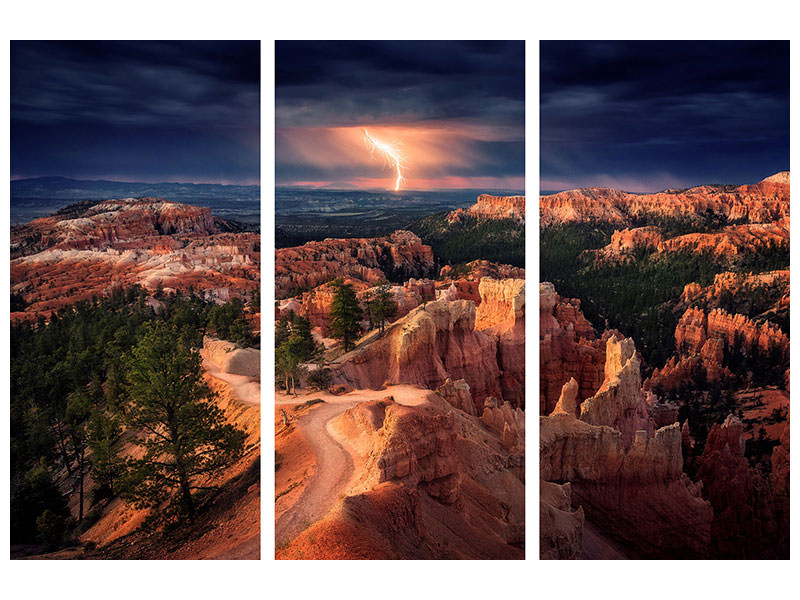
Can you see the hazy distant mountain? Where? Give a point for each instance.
(71, 189)
(41, 196)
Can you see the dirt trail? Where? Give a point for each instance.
(333, 471)
(334, 464)
(245, 389)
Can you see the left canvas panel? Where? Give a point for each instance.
(135, 300)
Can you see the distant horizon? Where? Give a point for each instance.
(551, 191)
(111, 179)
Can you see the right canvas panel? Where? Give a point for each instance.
(664, 300)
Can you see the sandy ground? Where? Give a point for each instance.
(245, 389)
(334, 463)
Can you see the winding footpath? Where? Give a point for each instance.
(334, 464)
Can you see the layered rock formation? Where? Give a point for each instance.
(430, 482)
(568, 348)
(119, 243)
(764, 202)
(627, 477)
(401, 255)
(750, 520)
(734, 284)
(492, 207)
(440, 340)
(501, 314)
(110, 222)
(702, 339)
(428, 346)
(729, 242)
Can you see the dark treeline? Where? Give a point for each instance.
(73, 395)
(496, 240)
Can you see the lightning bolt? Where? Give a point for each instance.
(390, 154)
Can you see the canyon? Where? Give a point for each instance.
(765, 201)
(415, 447)
(679, 450)
(159, 245)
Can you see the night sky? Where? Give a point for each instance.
(136, 111)
(456, 110)
(645, 116)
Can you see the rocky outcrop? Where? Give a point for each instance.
(492, 207)
(229, 358)
(732, 284)
(620, 402)
(502, 301)
(434, 342)
(411, 445)
(748, 517)
(457, 395)
(560, 525)
(568, 348)
(119, 243)
(478, 269)
(626, 242)
(764, 202)
(703, 339)
(507, 422)
(501, 314)
(625, 474)
(110, 222)
(401, 255)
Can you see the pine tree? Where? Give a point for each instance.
(346, 315)
(183, 433)
(297, 347)
(381, 306)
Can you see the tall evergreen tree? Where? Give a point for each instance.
(183, 433)
(346, 315)
(381, 306)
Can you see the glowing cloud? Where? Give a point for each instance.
(390, 153)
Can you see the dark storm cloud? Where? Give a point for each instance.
(471, 94)
(141, 110)
(649, 115)
(341, 83)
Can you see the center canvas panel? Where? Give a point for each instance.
(400, 300)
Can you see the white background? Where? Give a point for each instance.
(413, 19)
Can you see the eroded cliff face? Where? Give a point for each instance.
(119, 243)
(493, 207)
(750, 516)
(732, 284)
(623, 463)
(439, 340)
(501, 314)
(632, 487)
(431, 344)
(401, 255)
(703, 339)
(111, 222)
(729, 242)
(764, 202)
(568, 348)
(431, 482)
